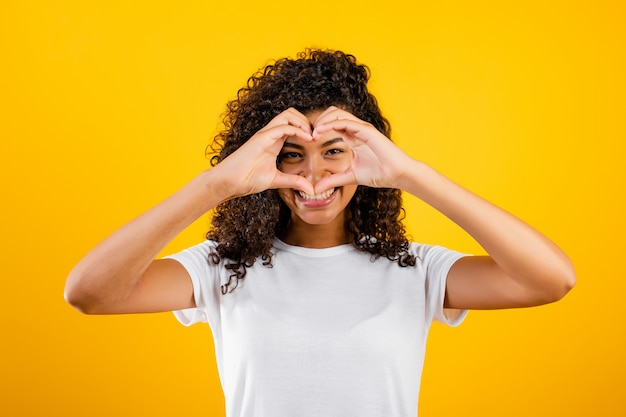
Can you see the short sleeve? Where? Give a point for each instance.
(206, 284)
(437, 261)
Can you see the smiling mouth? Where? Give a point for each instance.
(317, 197)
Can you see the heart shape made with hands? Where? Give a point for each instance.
(373, 155)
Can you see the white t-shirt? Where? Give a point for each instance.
(322, 333)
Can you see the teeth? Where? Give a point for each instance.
(320, 196)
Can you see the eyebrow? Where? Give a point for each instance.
(325, 144)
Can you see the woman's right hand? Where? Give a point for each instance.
(252, 168)
(120, 275)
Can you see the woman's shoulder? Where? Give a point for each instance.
(428, 253)
(199, 250)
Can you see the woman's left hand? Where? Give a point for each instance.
(377, 162)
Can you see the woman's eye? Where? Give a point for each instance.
(335, 151)
(289, 155)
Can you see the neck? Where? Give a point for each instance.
(315, 236)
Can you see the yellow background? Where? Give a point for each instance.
(106, 108)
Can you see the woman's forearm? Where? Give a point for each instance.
(519, 250)
(110, 271)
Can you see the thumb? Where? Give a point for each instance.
(335, 180)
(297, 182)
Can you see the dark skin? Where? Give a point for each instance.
(317, 180)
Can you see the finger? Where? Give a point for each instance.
(298, 119)
(282, 132)
(292, 117)
(335, 116)
(282, 180)
(336, 180)
(325, 114)
(334, 113)
(352, 126)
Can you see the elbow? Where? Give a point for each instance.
(560, 291)
(76, 299)
(91, 292)
(569, 282)
(77, 295)
(562, 284)
(568, 279)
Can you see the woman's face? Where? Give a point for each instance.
(314, 160)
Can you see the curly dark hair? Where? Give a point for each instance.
(245, 228)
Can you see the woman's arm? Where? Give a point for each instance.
(121, 275)
(523, 267)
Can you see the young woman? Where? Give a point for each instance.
(318, 303)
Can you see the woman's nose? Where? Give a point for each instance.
(315, 169)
